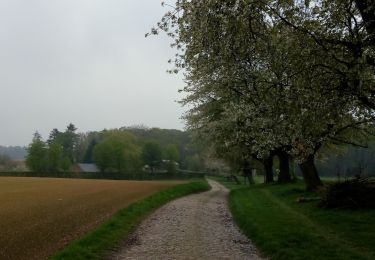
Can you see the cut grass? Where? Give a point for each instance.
(282, 228)
(100, 242)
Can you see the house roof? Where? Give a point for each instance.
(88, 167)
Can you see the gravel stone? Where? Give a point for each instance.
(197, 226)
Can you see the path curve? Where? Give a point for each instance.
(197, 226)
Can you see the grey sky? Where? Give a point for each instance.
(85, 62)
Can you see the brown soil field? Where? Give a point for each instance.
(39, 216)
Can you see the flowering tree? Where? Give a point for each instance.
(255, 80)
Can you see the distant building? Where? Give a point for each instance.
(85, 167)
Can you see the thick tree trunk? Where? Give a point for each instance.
(267, 164)
(284, 175)
(310, 174)
(247, 172)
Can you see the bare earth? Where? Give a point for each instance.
(198, 226)
(39, 216)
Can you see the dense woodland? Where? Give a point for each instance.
(341, 161)
(127, 149)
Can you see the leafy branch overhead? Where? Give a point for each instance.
(275, 75)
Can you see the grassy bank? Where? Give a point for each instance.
(282, 228)
(97, 244)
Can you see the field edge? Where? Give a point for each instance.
(106, 237)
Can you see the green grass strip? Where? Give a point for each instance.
(282, 228)
(107, 236)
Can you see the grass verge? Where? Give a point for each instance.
(107, 236)
(282, 228)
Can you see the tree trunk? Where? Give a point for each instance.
(284, 175)
(247, 172)
(310, 174)
(267, 164)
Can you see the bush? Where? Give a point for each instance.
(351, 194)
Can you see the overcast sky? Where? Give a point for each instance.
(85, 62)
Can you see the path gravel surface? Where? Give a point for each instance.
(197, 226)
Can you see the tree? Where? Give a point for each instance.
(171, 153)
(36, 159)
(68, 140)
(54, 136)
(117, 151)
(250, 72)
(183, 140)
(151, 154)
(344, 33)
(54, 157)
(194, 163)
(87, 158)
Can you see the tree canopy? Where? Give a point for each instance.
(266, 76)
(117, 151)
(152, 154)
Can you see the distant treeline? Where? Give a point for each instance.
(127, 149)
(139, 175)
(348, 161)
(13, 152)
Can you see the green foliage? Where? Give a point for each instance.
(54, 157)
(171, 153)
(65, 163)
(151, 154)
(117, 151)
(87, 146)
(36, 159)
(194, 163)
(183, 141)
(67, 140)
(275, 75)
(109, 235)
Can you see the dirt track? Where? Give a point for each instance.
(198, 226)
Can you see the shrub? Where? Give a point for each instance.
(351, 194)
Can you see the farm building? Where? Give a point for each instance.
(85, 167)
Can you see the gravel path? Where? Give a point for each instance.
(197, 226)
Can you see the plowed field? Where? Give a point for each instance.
(38, 216)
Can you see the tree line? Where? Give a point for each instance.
(348, 161)
(13, 152)
(128, 149)
(275, 78)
